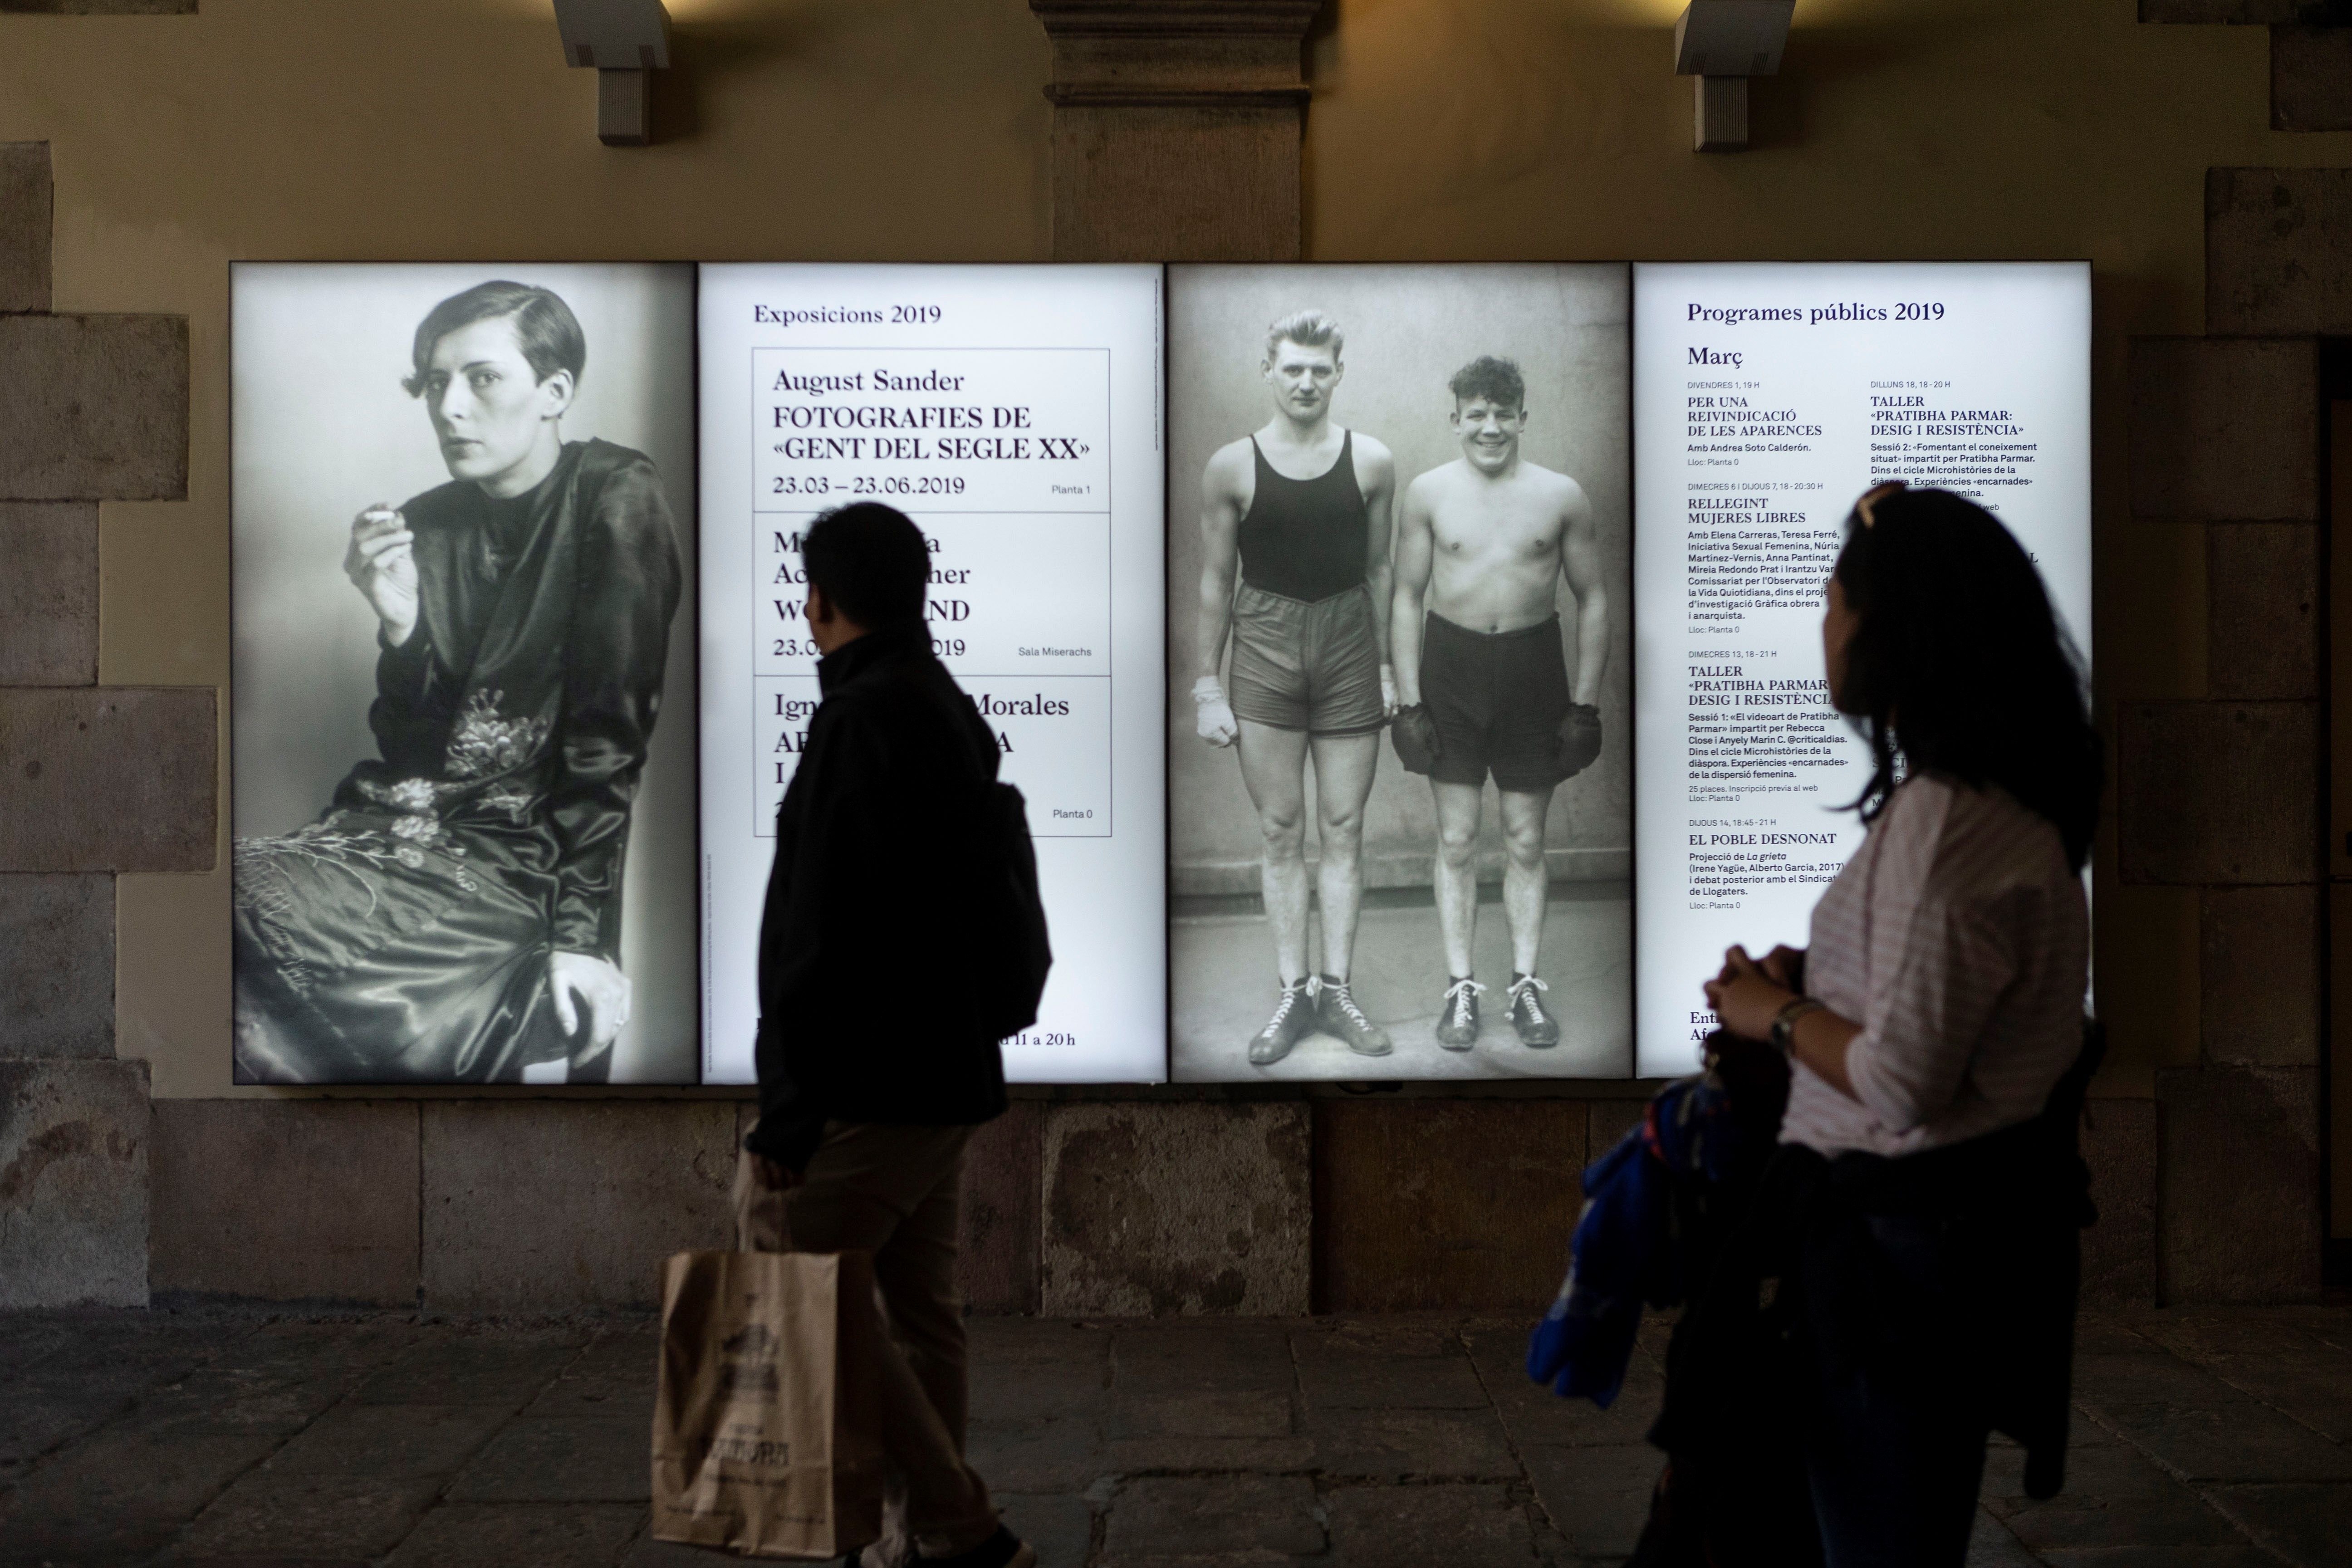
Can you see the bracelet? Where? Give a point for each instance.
(1784, 1022)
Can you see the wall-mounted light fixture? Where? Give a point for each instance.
(625, 41)
(1721, 43)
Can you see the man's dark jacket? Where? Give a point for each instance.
(867, 983)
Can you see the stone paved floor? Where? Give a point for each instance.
(2212, 1439)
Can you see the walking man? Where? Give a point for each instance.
(1481, 544)
(864, 1114)
(1298, 514)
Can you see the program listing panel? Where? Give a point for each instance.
(941, 429)
(1052, 735)
(1007, 592)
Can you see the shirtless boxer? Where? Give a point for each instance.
(1481, 544)
(1299, 515)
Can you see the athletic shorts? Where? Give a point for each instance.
(1300, 666)
(1497, 700)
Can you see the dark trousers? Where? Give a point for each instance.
(1895, 1435)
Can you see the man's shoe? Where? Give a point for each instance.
(1458, 1020)
(1002, 1549)
(1533, 1020)
(1337, 1015)
(1293, 1021)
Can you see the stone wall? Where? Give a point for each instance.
(93, 780)
(2226, 794)
(1176, 132)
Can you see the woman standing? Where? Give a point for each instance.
(1939, 1006)
(454, 915)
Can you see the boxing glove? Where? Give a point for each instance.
(1214, 716)
(1414, 734)
(1579, 738)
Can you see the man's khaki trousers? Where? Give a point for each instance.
(894, 1191)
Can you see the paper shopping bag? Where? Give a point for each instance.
(767, 1433)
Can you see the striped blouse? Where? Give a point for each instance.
(1959, 938)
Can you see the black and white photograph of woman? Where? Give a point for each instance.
(473, 862)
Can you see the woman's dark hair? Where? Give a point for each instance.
(870, 560)
(1958, 664)
(549, 333)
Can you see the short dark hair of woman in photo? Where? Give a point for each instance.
(1935, 1036)
(455, 914)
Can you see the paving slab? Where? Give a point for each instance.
(109, 1544)
(69, 1393)
(1991, 1545)
(2116, 1498)
(2303, 1523)
(309, 1515)
(141, 1475)
(1177, 1517)
(1533, 1414)
(1181, 1454)
(562, 1460)
(393, 1442)
(1399, 1445)
(475, 1368)
(1065, 1455)
(1360, 1368)
(1031, 1373)
(470, 1535)
(30, 1337)
(651, 1553)
(2160, 1557)
(2314, 1388)
(1597, 1497)
(1060, 1527)
(2225, 1440)
(614, 1376)
(356, 1438)
(1411, 1527)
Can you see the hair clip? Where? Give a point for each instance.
(1870, 498)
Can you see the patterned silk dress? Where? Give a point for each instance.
(405, 936)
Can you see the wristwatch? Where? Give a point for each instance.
(1784, 1022)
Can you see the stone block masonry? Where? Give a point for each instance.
(107, 779)
(2218, 793)
(26, 198)
(286, 1200)
(2225, 429)
(556, 1205)
(95, 408)
(48, 594)
(73, 1183)
(1169, 1210)
(92, 781)
(2278, 251)
(2238, 1184)
(57, 966)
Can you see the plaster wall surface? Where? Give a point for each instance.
(1439, 130)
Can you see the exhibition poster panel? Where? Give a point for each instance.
(1425, 467)
(1013, 413)
(1767, 398)
(462, 526)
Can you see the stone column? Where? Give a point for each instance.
(2224, 794)
(1177, 126)
(93, 780)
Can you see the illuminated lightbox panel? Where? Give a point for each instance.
(1590, 484)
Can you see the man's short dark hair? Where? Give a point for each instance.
(549, 333)
(870, 560)
(1496, 380)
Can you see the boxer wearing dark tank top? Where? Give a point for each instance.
(1304, 538)
(1294, 573)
